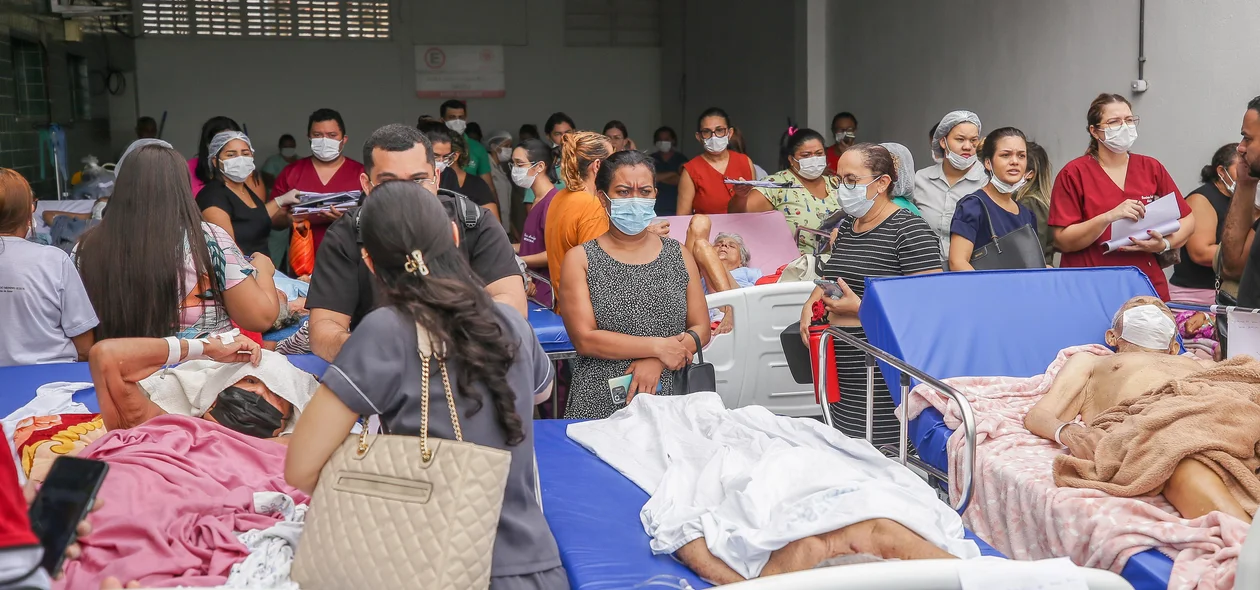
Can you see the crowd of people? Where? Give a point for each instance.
(456, 232)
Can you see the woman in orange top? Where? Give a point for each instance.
(701, 188)
(575, 215)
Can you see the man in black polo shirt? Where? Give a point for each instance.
(343, 289)
(1235, 259)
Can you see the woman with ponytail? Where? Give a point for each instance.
(496, 368)
(575, 215)
(1110, 183)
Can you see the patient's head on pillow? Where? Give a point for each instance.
(1143, 324)
(250, 407)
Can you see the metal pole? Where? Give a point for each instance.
(902, 444)
(823, 341)
(870, 398)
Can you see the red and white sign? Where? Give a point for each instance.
(459, 71)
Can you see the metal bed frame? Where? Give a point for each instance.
(907, 372)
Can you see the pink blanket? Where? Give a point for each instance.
(1018, 509)
(177, 490)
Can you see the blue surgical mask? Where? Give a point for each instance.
(853, 200)
(631, 215)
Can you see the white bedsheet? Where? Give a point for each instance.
(751, 482)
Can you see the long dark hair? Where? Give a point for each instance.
(402, 217)
(212, 127)
(133, 262)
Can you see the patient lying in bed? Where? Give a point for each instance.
(246, 389)
(1121, 454)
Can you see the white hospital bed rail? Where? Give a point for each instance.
(927, 574)
(907, 371)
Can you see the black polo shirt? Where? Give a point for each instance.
(342, 282)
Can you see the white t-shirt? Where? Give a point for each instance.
(42, 304)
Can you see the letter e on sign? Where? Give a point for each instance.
(434, 58)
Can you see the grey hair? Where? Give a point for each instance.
(744, 254)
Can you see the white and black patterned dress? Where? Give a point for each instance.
(902, 244)
(648, 300)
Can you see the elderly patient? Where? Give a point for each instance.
(723, 264)
(227, 380)
(1132, 391)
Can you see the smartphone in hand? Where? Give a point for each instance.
(62, 502)
(830, 288)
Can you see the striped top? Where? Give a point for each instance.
(902, 244)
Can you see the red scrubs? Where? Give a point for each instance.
(301, 175)
(1083, 191)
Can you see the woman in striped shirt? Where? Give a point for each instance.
(875, 239)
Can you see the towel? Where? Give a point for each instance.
(191, 388)
(1212, 416)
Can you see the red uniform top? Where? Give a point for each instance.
(833, 156)
(712, 194)
(301, 175)
(15, 528)
(1083, 191)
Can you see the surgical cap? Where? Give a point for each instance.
(905, 170)
(222, 139)
(135, 145)
(948, 124)
(497, 136)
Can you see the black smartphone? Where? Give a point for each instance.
(65, 499)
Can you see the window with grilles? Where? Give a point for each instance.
(301, 19)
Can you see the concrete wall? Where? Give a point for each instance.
(273, 85)
(902, 64)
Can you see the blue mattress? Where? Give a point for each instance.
(1009, 323)
(549, 329)
(593, 512)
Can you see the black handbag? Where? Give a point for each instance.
(698, 376)
(1018, 249)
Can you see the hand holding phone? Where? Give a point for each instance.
(830, 288)
(62, 503)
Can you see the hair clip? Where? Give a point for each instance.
(415, 263)
(791, 131)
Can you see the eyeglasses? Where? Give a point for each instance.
(719, 132)
(1116, 122)
(851, 182)
(448, 159)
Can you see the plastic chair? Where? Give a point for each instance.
(749, 362)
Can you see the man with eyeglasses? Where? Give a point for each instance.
(342, 288)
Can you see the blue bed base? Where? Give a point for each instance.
(1009, 323)
(592, 510)
(549, 329)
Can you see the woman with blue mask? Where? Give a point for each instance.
(956, 174)
(632, 297)
(875, 239)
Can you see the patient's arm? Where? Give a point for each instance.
(1063, 402)
(696, 556)
(117, 367)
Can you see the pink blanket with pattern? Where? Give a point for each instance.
(1017, 508)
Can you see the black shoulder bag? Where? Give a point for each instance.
(1018, 249)
(698, 376)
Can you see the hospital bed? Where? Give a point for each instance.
(1009, 323)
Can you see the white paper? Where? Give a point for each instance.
(1162, 215)
(1002, 574)
(1244, 333)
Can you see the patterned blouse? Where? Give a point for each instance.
(800, 207)
(231, 267)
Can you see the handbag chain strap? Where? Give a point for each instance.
(425, 451)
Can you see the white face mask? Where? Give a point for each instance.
(239, 168)
(1004, 188)
(1149, 327)
(664, 146)
(521, 176)
(812, 168)
(325, 149)
(288, 152)
(1230, 185)
(715, 144)
(959, 162)
(457, 125)
(853, 200)
(441, 167)
(1120, 139)
(505, 154)
(845, 137)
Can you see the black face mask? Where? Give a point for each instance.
(247, 413)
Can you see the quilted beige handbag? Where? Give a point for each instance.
(388, 513)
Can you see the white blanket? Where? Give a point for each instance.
(191, 388)
(751, 482)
